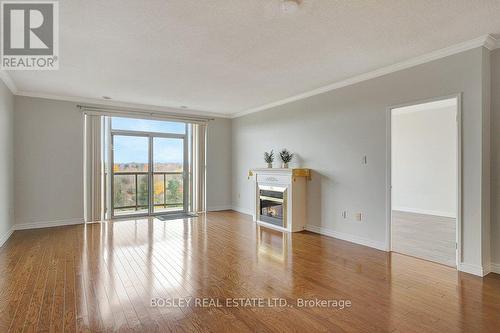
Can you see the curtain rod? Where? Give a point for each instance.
(135, 112)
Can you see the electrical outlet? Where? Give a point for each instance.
(358, 216)
(344, 214)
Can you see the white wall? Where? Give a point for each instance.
(424, 161)
(6, 162)
(486, 161)
(495, 158)
(49, 162)
(331, 132)
(219, 164)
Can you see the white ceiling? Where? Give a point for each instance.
(229, 56)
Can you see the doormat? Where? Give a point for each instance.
(169, 217)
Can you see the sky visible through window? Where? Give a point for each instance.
(133, 149)
(144, 125)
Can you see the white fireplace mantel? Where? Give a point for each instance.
(293, 183)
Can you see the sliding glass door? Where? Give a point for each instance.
(148, 173)
(168, 174)
(130, 173)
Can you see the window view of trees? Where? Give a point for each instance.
(124, 190)
(168, 189)
(132, 160)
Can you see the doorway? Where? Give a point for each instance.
(425, 180)
(149, 167)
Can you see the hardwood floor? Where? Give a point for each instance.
(102, 277)
(425, 236)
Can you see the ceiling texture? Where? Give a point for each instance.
(232, 56)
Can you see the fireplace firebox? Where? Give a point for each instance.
(272, 205)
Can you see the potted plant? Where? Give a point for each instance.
(269, 158)
(286, 157)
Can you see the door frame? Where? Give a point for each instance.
(459, 222)
(185, 171)
(150, 136)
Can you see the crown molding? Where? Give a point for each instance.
(487, 41)
(119, 104)
(5, 77)
(491, 43)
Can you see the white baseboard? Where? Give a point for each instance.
(219, 208)
(6, 236)
(424, 211)
(473, 269)
(486, 269)
(48, 224)
(347, 237)
(242, 210)
(495, 268)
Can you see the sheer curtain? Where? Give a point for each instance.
(93, 168)
(198, 167)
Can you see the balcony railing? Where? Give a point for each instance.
(131, 192)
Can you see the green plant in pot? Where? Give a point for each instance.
(269, 158)
(286, 157)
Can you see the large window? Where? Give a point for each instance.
(148, 166)
(139, 166)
